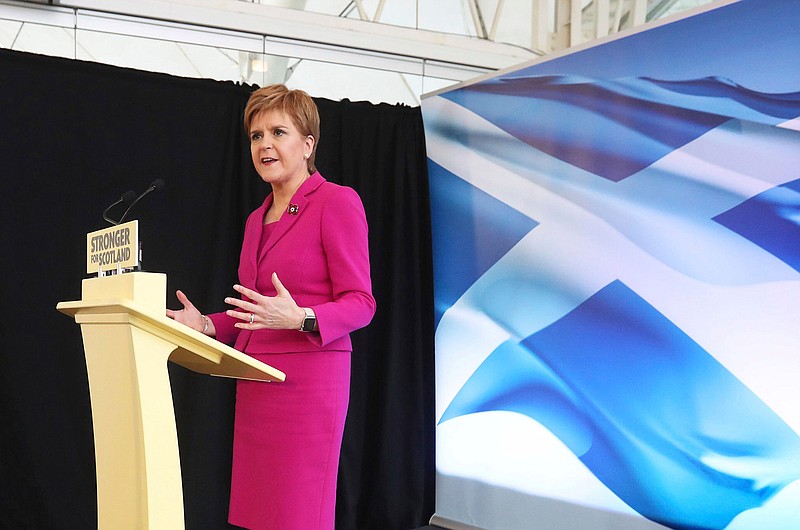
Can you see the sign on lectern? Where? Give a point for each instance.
(115, 248)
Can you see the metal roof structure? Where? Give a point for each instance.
(378, 50)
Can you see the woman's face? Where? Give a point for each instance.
(279, 149)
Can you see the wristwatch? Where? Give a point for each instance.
(310, 321)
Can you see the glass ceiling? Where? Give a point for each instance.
(84, 30)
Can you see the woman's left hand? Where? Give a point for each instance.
(266, 312)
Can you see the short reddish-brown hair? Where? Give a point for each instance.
(296, 104)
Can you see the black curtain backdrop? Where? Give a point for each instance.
(75, 136)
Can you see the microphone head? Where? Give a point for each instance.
(128, 197)
(157, 185)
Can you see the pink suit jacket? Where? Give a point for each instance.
(320, 251)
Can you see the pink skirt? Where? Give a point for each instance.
(287, 440)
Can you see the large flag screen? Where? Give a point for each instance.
(617, 282)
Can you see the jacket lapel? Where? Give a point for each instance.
(297, 207)
(252, 239)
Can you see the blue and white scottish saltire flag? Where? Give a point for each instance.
(617, 281)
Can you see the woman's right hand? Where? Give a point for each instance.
(189, 315)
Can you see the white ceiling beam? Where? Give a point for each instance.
(498, 12)
(362, 13)
(575, 22)
(318, 28)
(379, 11)
(540, 32)
(602, 14)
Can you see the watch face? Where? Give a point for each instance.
(308, 323)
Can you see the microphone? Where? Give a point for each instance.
(128, 196)
(155, 186)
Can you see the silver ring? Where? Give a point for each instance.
(252, 317)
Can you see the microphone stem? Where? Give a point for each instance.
(148, 190)
(105, 212)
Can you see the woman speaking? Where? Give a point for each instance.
(304, 285)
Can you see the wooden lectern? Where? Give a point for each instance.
(128, 341)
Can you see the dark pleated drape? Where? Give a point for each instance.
(76, 135)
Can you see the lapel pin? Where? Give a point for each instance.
(293, 209)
